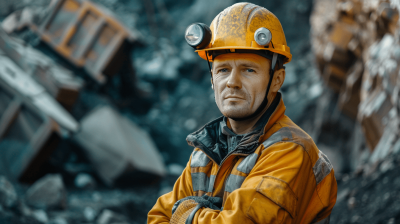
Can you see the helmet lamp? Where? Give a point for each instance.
(198, 35)
(262, 36)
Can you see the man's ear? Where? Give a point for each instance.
(212, 84)
(279, 78)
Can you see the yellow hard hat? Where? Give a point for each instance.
(240, 27)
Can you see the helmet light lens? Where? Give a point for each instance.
(194, 34)
(198, 35)
(262, 36)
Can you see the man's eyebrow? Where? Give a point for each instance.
(223, 64)
(249, 64)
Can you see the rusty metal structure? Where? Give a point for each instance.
(57, 80)
(357, 51)
(31, 120)
(87, 35)
(27, 135)
(24, 83)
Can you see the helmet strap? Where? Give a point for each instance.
(209, 67)
(265, 101)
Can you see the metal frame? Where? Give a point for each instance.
(80, 58)
(26, 166)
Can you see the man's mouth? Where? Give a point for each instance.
(234, 97)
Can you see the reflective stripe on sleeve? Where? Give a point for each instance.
(200, 181)
(199, 159)
(322, 167)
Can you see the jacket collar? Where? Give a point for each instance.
(212, 141)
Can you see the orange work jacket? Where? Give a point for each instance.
(280, 177)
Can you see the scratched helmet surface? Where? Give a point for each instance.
(234, 28)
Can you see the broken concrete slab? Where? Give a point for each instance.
(8, 195)
(47, 193)
(118, 149)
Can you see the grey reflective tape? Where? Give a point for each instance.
(199, 159)
(248, 163)
(211, 184)
(234, 182)
(274, 138)
(283, 134)
(200, 181)
(286, 134)
(322, 167)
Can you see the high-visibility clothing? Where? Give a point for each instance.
(275, 176)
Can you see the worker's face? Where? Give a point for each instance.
(240, 83)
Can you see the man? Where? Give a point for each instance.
(253, 165)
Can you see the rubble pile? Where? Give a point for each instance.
(357, 51)
(370, 199)
(47, 201)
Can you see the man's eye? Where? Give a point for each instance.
(250, 70)
(223, 70)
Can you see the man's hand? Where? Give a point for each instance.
(185, 209)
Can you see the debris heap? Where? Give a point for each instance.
(357, 49)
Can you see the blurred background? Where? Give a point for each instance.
(97, 98)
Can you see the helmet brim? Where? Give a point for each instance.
(284, 52)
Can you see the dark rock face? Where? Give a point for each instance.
(370, 199)
(47, 193)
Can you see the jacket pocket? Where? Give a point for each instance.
(280, 193)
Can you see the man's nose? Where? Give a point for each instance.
(234, 80)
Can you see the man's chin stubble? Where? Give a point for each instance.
(238, 114)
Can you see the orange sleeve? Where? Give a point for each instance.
(162, 210)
